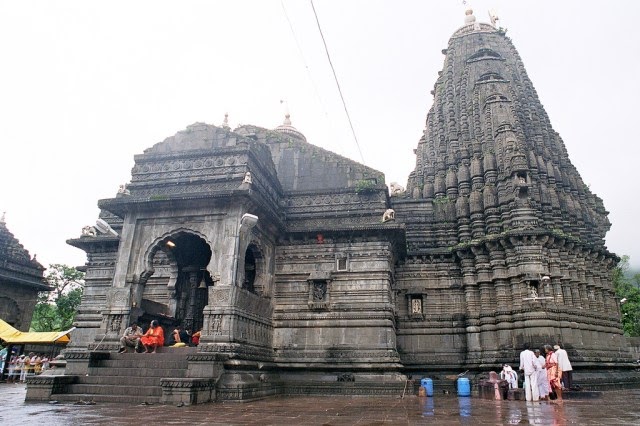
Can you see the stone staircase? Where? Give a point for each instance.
(129, 377)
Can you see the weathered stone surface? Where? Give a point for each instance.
(278, 251)
(21, 278)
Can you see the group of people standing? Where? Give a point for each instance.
(21, 366)
(153, 338)
(545, 375)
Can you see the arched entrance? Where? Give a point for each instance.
(9, 311)
(191, 255)
(254, 279)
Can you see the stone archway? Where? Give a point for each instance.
(254, 277)
(9, 311)
(179, 290)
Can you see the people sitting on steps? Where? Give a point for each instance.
(180, 337)
(195, 338)
(131, 338)
(153, 338)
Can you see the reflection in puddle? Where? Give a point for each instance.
(464, 405)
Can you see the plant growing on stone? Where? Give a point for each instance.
(365, 186)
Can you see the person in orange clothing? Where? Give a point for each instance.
(153, 338)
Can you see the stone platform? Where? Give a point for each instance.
(621, 409)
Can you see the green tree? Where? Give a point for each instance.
(56, 310)
(628, 290)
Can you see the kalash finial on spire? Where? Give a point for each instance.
(225, 123)
(287, 115)
(3, 218)
(286, 126)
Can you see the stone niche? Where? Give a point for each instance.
(319, 291)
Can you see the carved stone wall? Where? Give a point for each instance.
(21, 278)
(495, 242)
(326, 316)
(509, 238)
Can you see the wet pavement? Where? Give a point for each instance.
(613, 408)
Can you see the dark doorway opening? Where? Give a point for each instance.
(192, 255)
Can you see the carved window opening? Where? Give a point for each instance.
(319, 287)
(254, 277)
(416, 306)
(504, 127)
(318, 291)
(249, 271)
(522, 184)
(496, 98)
(342, 262)
(491, 76)
(537, 290)
(521, 177)
(484, 54)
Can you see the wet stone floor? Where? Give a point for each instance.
(613, 408)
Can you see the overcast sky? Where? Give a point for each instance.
(85, 85)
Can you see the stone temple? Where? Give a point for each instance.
(21, 279)
(305, 274)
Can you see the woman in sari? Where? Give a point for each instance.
(153, 338)
(553, 371)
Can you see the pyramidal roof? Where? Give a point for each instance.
(13, 256)
(489, 147)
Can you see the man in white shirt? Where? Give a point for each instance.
(565, 366)
(529, 365)
(131, 337)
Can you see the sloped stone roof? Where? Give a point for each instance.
(16, 264)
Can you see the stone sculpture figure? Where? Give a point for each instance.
(247, 178)
(122, 189)
(88, 231)
(319, 291)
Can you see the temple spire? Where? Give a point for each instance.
(225, 123)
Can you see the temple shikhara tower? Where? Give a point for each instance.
(505, 241)
(306, 274)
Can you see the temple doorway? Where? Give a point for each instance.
(192, 255)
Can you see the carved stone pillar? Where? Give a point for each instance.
(556, 288)
(566, 292)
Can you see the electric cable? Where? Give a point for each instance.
(335, 76)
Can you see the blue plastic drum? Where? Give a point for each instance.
(427, 384)
(464, 387)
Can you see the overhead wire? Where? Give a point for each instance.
(304, 61)
(335, 76)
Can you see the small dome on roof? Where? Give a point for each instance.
(287, 129)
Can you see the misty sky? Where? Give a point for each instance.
(85, 85)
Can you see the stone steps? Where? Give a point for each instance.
(137, 371)
(128, 390)
(128, 377)
(118, 380)
(116, 399)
